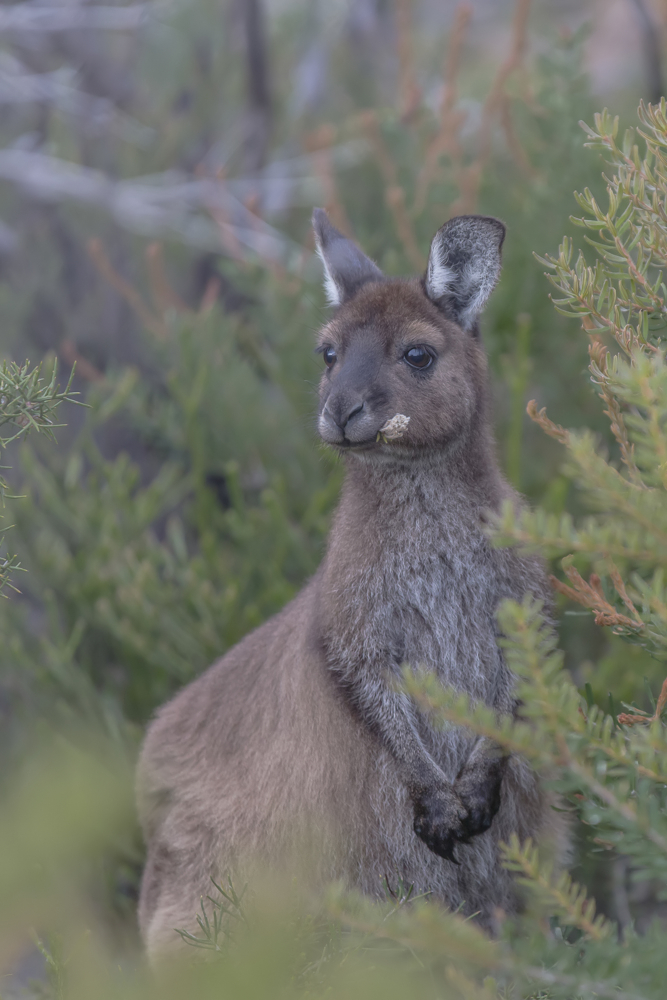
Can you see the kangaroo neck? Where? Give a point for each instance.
(391, 508)
(466, 477)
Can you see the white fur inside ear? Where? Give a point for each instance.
(469, 287)
(464, 266)
(330, 288)
(476, 284)
(439, 278)
(471, 312)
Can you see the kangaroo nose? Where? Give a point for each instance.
(352, 412)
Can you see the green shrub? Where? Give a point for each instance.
(147, 579)
(191, 501)
(609, 768)
(27, 403)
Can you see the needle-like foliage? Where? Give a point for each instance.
(609, 766)
(620, 299)
(232, 545)
(27, 402)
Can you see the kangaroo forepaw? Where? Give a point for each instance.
(479, 791)
(440, 821)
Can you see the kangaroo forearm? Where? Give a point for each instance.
(479, 780)
(390, 715)
(484, 755)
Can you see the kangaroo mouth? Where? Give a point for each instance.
(375, 443)
(347, 445)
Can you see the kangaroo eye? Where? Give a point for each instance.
(418, 357)
(329, 355)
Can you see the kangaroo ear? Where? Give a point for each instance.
(464, 266)
(346, 268)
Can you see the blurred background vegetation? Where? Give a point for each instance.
(158, 165)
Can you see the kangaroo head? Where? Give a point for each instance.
(405, 346)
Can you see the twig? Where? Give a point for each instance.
(227, 231)
(512, 140)
(594, 989)
(48, 18)
(259, 115)
(164, 297)
(548, 426)
(598, 368)
(210, 296)
(619, 587)
(447, 138)
(124, 288)
(319, 143)
(607, 796)
(84, 368)
(409, 92)
(629, 719)
(590, 595)
(493, 105)
(394, 193)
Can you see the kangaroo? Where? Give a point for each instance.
(300, 732)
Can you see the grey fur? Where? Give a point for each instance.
(464, 265)
(346, 267)
(295, 749)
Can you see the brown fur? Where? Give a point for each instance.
(296, 749)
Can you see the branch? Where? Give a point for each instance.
(28, 17)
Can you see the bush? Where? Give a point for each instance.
(609, 768)
(191, 502)
(146, 579)
(27, 403)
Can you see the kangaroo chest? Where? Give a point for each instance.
(443, 598)
(429, 602)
